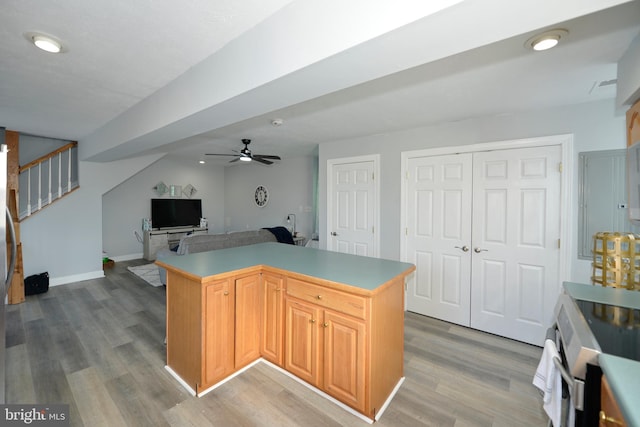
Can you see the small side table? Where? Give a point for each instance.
(299, 240)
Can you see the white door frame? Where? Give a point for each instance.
(566, 207)
(375, 158)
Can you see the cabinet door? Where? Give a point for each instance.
(610, 414)
(247, 320)
(302, 348)
(271, 344)
(344, 358)
(218, 333)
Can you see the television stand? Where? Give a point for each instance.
(164, 238)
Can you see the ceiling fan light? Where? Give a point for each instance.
(245, 158)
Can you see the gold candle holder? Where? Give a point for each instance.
(616, 260)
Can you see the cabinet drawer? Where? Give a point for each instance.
(343, 302)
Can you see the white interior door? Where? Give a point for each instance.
(516, 231)
(438, 236)
(353, 206)
(483, 230)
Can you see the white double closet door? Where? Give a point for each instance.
(483, 230)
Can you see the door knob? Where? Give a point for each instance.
(464, 248)
(478, 250)
(333, 233)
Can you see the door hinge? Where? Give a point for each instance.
(373, 176)
(406, 231)
(558, 243)
(373, 230)
(560, 167)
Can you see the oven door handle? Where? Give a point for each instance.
(563, 371)
(576, 386)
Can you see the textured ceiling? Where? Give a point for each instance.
(124, 57)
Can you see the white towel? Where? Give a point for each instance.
(549, 380)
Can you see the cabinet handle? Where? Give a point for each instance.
(325, 325)
(312, 321)
(226, 293)
(609, 420)
(319, 297)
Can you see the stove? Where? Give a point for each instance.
(615, 328)
(589, 321)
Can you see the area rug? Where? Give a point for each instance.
(148, 272)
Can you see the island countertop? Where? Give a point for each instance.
(357, 271)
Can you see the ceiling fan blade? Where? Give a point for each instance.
(265, 156)
(234, 160)
(261, 160)
(209, 154)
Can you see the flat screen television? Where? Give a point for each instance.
(167, 213)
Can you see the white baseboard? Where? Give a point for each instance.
(127, 257)
(55, 281)
(290, 375)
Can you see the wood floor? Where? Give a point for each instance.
(98, 346)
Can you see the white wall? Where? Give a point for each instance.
(595, 126)
(290, 185)
(125, 205)
(65, 239)
(226, 193)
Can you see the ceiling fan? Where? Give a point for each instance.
(246, 156)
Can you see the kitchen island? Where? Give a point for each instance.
(335, 321)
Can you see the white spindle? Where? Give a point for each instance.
(29, 191)
(39, 186)
(49, 197)
(59, 175)
(69, 172)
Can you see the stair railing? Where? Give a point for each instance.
(60, 177)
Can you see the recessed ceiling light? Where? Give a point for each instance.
(201, 162)
(546, 40)
(45, 42)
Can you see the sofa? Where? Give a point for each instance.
(209, 242)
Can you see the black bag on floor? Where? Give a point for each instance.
(36, 284)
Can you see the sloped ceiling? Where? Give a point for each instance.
(151, 76)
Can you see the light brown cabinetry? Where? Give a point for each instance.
(326, 349)
(219, 322)
(247, 320)
(302, 348)
(326, 342)
(347, 341)
(344, 358)
(610, 414)
(218, 328)
(272, 334)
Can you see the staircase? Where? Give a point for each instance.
(31, 188)
(47, 179)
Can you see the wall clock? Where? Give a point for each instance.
(261, 196)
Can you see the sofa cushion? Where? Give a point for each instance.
(210, 242)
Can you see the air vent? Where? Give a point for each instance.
(607, 82)
(603, 84)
